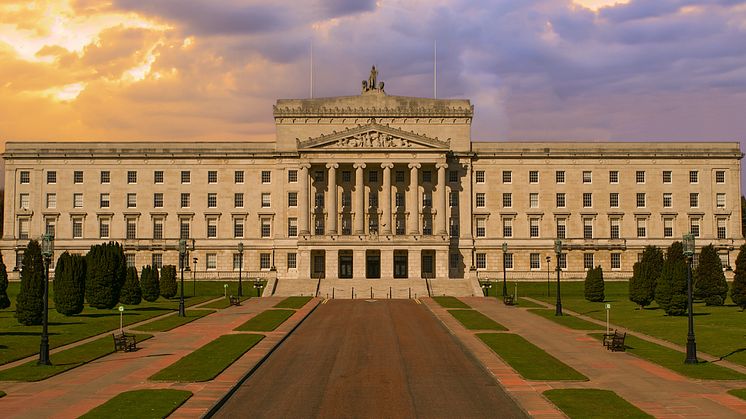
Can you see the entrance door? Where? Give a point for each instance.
(372, 264)
(318, 270)
(428, 264)
(400, 264)
(345, 264)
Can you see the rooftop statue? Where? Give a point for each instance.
(371, 84)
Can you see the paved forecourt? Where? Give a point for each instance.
(371, 358)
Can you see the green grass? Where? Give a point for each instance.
(64, 360)
(532, 362)
(590, 403)
(474, 320)
(2, 394)
(140, 404)
(738, 392)
(173, 321)
(293, 302)
(450, 302)
(210, 360)
(566, 320)
(222, 303)
(522, 302)
(266, 321)
(674, 360)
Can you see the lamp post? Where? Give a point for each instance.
(486, 288)
(691, 344)
(505, 283)
(258, 284)
(194, 278)
(47, 250)
(182, 254)
(558, 251)
(549, 259)
(240, 268)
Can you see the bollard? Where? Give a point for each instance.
(410, 293)
(390, 295)
(371, 293)
(332, 293)
(353, 293)
(225, 287)
(121, 314)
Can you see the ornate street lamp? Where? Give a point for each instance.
(258, 284)
(486, 288)
(691, 344)
(558, 251)
(182, 260)
(240, 268)
(549, 259)
(505, 283)
(47, 250)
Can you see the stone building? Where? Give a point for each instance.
(385, 194)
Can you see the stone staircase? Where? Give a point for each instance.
(375, 288)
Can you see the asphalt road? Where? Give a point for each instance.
(377, 359)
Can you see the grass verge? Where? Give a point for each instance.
(265, 321)
(173, 321)
(522, 302)
(64, 360)
(222, 303)
(566, 320)
(532, 362)
(474, 320)
(140, 404)
(2, 394)
(293, 302)
(207, 362)
(593, 403)
(738, 392)
(450, 302)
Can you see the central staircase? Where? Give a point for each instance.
(374, 288)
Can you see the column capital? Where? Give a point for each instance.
(441, 165)
(387, 165)
(332, 166)
(305, 166)
(414, 165)
(359, 165)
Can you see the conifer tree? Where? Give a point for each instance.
(645, 276)
(106, 270)
(709, 279)
(594, 284)
(4, 300)
(149, 283)
(131, 293)
(671, 291)
(738, 289)
(30, 300)
(168, 281)
(69, 284)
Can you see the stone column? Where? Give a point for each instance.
(466, 204)
(331, 203)
(413, 204)
(386, 199)
(440, 200)
(359, 226)
(303, 206)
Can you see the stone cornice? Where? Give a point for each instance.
(350, 112)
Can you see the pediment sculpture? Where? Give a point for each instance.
(373, 135)
(371, 139)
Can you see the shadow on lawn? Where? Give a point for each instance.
(25, 334)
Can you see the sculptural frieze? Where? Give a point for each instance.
(371, 139)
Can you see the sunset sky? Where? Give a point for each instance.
(601, 70)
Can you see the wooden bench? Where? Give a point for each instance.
(235, 301)
(615, 341)
(508, 300)
(124, 342)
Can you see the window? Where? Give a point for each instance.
(668, 227)
(346, 176)
(562, 261)
(722, 233)
(453, 227)
(186, 199)
(238, 228)
(212, 261)
(640, 176)
(131, 176)
(587, 228)
(373, 176)
(642, 229)
(25, 177)
(267, 229)
(480, 200)
(481, 227)
(427, 199)
(614, 199)
(559, 176)
(453, 176)
(50, 226)
(640, 200)
(318, 176)
(508, 260)
(613, 176)
(399, 199)
(533, 227)
(267, 176)
(587, 200)
(24, 201)
(158, 200)
(399, 176)
(212, 200)
(130, 258)
(319, 199)
(105, 177)
(158, 228)
(51, 200)
(131, 200)
(77, 200)
(266, 200)
(427, 224)
(720, 176)
(77, 176)
(212, 228)
(720, 200)
(292, 227)
(616, 261)
(667, 176)
(52, 177)
(427, 176)
(104, 200)
(131, 229)
(561, 228)
(186, 176)
(480, 176)
(507, 200)
(212, 176)
(507, 227)
(373, 199)
(237, 261)
(238, 200)
(587, 176)
(534, 261)
(694, 200)
(77, 228)
(693, 176)
(264, 261)
(184, 229)
(667, 200)
(694, 226)
(292, 176)
(614, 228)
(292, 261)
(454, 260)
(453, 199)
(23, 228)
(533, 199)
(481, 260)
(157, 260)
(533, 176)
(588, 260)
(560, 199)
(293, 199)
(158, 176)
(400, 225)
(507, 176)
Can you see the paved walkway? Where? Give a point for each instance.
(75, 392)
(656, 390)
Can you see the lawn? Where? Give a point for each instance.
(210, 360)
(474, 320)
(532, 362)
(566, 320)
(265, 321)
(293, 302)
(64, 360)
(739, 392)
(593, 403)
(2, 394)
(522, 302)
(450, 302)
(140, 404)
(173, 321)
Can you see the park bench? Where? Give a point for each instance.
(235, 301)
(124, 342)
(615, 341)
(508, 300)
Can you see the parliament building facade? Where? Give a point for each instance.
(385, 194)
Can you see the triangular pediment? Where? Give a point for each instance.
(373, 136)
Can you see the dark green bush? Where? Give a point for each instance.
(709, 279)
(645, 276)
(149, 283)
(594, 284)
(69, 284)
(106, 271)
(168, 281)
(670, 292)
(738, 289)
(4, 300)
(131, 293)
(30, 300)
